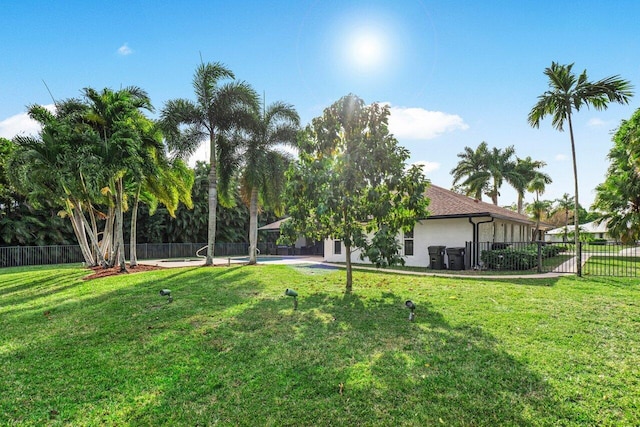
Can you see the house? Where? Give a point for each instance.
(455, 221)
(595, 229)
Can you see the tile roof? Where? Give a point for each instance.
(274, 226)
(446, 203)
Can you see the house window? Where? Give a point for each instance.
(337, 247)
(408, 243)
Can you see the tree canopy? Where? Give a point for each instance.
(618, 197)
(351, 183)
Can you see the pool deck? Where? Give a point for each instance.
(220, 261)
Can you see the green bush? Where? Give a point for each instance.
(521, 258)
(510, 258)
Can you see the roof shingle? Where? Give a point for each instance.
(447, 203)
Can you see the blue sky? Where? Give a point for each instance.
(455, 73)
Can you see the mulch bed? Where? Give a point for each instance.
(99, 272)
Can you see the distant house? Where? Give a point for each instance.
(595, 229)
(455, 221)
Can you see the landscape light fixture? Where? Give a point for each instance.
(291, 293)
(166, 293)
(411, 306)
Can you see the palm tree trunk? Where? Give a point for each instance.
(253, 226)
(213, 201)
(120, 226)
(78, 229)
(107, 234)
(93, 235)
(133, 257)
(575, 180)
(520, 200)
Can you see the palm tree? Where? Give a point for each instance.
(472, 170)
(217, 109)
(565, 205)
(58, 166)
(568, 92)
(524, 172)
(263, 178)
(501, 167)
(538, 186)
(117, 117)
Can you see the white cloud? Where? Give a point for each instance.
(125, 50)
(596, 122)
(20, 124)
(421, 124)
(428, 166)
(561, 157)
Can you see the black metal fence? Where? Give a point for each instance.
(13, 256)
(593, 259)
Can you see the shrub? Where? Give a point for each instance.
(511, 259)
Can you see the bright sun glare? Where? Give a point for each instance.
(366, 49)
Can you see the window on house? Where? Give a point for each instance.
(408, 243)
(337, 247)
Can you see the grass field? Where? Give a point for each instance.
(230, 349)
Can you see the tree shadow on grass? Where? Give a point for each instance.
(352, 360)
(235, 354)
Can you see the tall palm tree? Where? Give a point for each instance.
(568, 92)
(472, 170)
(217, 109)
(263, 178)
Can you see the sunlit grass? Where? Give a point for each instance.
(231, 350)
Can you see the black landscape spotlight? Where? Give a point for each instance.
(294, 294)
(166, 293)
(411, 306)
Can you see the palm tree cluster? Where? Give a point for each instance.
(100, 156)
(483, 171)
(94, 157)
(227, 113)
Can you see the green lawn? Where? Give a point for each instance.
(230, 349)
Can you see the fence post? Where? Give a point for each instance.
(539, 256)
(579, 258)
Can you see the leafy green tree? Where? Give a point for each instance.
(351, 183)
(618, 197)
(473, 171)
(263, 176)
(217, 110)
(568, 93)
